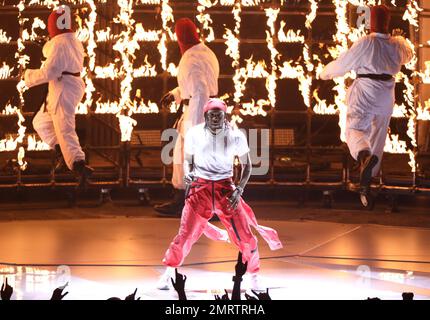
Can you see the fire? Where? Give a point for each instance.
(146, 70)
(36, 145)
(205, 18)
(127, 42)
(425, 76)
(107, 107)
(126, 45)
(146, 35)
(253, 109)
(48, 3)
(104, 35)
(232, 50)
(400, 111)
(109, 71)
(82, 108)
(252, 3)
(412, 128)
(166, 18)
(411, 13)
(126, 125)
(172, 69)
(8, 144)
(162, 48)
(423, 113)
(341, 37)
(290, 36)
(312, 14)
(272, 15)
(256, 70)
(235, 119)
(305, 80)
(9, 110)
(37, 23)
(142, 107)
(3, 37)
(85, 33)
(5, 71)
(394, 145)
(290, 72)
(232, 43)
(23, 60)
(150, 2)
(91, 44)
(322, 107)
(357, 33)
(21, 162)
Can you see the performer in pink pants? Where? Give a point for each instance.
(210, 150)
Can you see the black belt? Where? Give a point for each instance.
(186, 102)
(67, 73)
(382, 77)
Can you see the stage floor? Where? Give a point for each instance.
(109, 257)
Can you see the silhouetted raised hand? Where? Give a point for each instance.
(262, 295)
(223, 297)
(58, 293)
(240, 270)
(240, 267)
(408, 296)
(179, 284)
(6, 291)
(132, 296)
(248, 297)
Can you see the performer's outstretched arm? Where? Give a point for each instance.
(51, 69)
(199, 96)
(245, 161)
(346, 62)
(405, 51)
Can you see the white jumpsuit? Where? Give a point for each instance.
(370, 102)
(198, 73)
(56, 123)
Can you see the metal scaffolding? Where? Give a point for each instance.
(102, 134)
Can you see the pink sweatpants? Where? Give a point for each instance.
(205, 199)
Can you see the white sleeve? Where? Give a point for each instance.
(50, 70)
(188, 143)
(346, 62)
(199, 96)
(241, 144)
(405, 50)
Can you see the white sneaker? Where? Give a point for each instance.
(165, 282)
(256, 282)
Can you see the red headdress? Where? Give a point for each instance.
(186, 32)
(379, 19)
(53, 28)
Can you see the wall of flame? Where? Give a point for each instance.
(133, 35)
